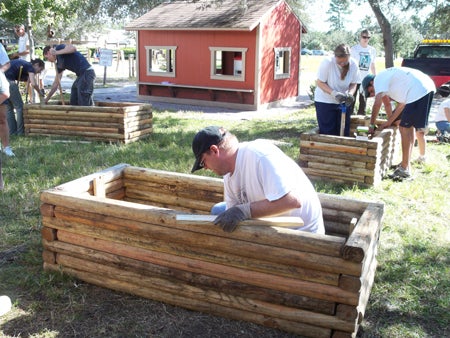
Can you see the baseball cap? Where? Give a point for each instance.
(203, 140)
(365, 84)
(444, 90)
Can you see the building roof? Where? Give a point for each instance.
(204, 15)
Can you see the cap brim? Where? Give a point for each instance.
(197, 165)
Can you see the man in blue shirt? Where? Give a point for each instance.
(67, 57)
(20, 71)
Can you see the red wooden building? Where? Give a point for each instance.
(237, 54)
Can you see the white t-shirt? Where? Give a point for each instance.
(364, 57)
(4, 58)
(329, 72)
(440, 115)
(403, 84)
(22, 46)
(263, 171)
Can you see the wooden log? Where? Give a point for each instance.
(194, 304)
(180, 190)
(334, 147)
(337, 202)
(333, 160)
(232, 288)
(208, 295)
(351, 142)
(360, 240)
(48, 234)
(333, 154)
(260, 279)
(174, 179)
(71, 122)
(85, 184)
(111, 210)
(47, 210)
(337, 170)
(341, 177)
(203, 247)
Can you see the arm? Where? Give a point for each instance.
(266, 208)
(33, 82)
(396, 113)
(5, 67)
(68, 49)
(55, 86)
(324, 86)
(447, 113)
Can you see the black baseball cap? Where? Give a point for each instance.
(203, 140)
(365, 84)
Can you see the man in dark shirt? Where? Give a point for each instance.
(20, 71)
(67, 57)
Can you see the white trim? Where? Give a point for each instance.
(148, 61)
(278, 76)
(214, 76)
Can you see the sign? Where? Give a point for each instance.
(106, 56)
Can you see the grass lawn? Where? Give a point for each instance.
(410, 297)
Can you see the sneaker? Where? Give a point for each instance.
(420, 160)
(8, 151)
(400, 174)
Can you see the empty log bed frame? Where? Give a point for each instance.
(117, 228)
(117, 122)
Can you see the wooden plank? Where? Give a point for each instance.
(334, 147)
(284, 222)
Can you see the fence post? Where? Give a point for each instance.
(131, 65)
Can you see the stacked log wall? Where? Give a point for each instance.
(309, 284)
(106, 121)
(346, 159)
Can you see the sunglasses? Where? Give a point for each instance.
(365, 37)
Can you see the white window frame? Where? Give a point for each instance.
(279, 67)
(214, 76)
(148, 50)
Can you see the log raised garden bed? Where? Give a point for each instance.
(346, 159)
(118, 229)
(120, 122)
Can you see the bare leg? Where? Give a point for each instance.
(407, 135)
(4, 129)
(420, 135)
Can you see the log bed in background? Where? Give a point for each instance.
(117, 228)
(347, 160)
(122, 122)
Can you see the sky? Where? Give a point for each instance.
(318, 15)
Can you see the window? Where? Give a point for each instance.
(282, 63)
(161, 60)
(228, 63)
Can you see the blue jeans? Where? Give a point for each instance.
(16, 127)
(218, 208)
(83, 89)
(443, 126)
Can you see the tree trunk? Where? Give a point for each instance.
(385, 26)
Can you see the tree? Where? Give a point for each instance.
(337, 11)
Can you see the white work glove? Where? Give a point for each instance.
(229, 219)
(338, 96)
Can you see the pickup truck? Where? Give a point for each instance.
(433, 58)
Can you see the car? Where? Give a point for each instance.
(306, 51)
(318, 52)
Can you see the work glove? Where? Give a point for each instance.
(229, 219)
(338, 96)
(349, 99)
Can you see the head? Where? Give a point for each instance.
(367, 85)
(48, 55)
(38, 65)
(364, 38)
(444, 90)
(342, 57)
(211, 147)
(20, 30)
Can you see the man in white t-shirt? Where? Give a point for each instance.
(23, 42)
(413, 91)
(365, 57)
(259, 180)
